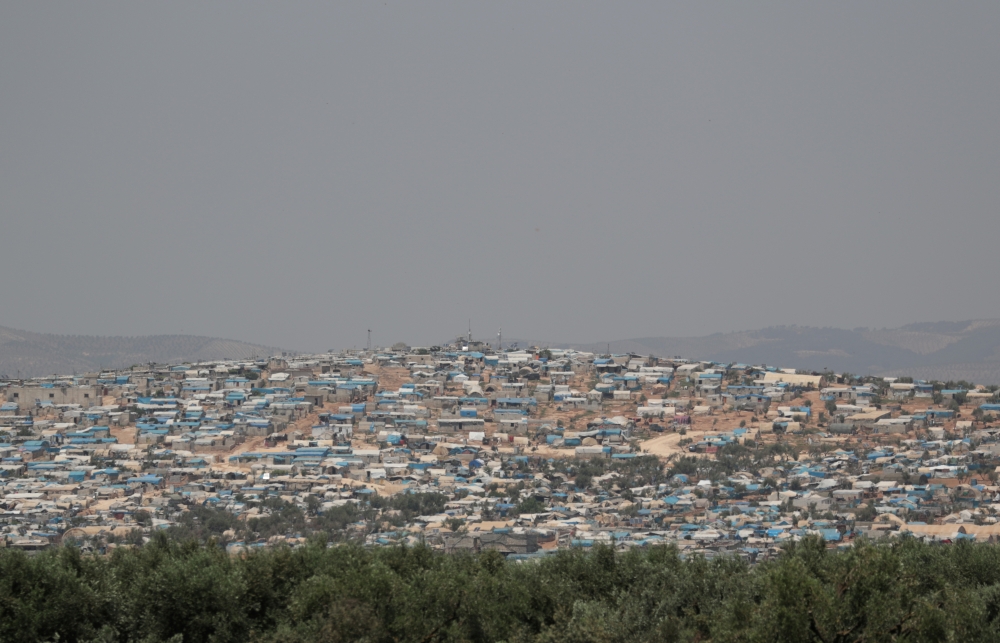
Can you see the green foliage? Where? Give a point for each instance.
(411, 505)
(201, 523)
(729, 459)
(167, 591)
(866, 513)
(531, 505)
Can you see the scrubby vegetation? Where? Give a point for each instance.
(202, 523)
(171, 591)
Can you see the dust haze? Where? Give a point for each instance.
(293, 175)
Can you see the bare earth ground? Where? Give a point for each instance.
(664, 446)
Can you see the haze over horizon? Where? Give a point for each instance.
(294, 175)
(945, 351)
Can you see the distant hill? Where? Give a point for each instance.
(36, 354)
(967, 350)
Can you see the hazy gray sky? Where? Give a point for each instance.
(293, 174)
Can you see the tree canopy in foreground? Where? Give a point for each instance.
(169, 591)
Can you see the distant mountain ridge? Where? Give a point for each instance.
(27, 354)
(968, 350)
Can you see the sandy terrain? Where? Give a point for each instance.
(665, 445)
(389, 378)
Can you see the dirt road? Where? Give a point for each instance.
(663, 446)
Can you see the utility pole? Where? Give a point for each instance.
(500, 339)
(470, 330)
(369, 340)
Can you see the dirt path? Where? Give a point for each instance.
(663, 446)
(256, 443)
(390, 378)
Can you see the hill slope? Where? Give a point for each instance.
(967, 350)
(34, 354)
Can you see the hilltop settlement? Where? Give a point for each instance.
(468, 448)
